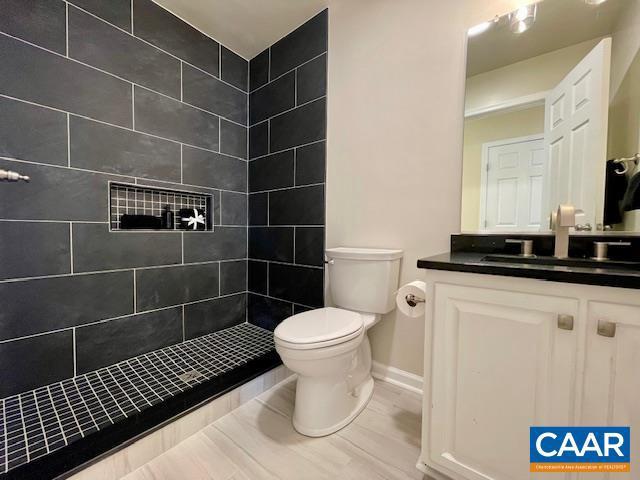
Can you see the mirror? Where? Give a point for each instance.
(552, 116)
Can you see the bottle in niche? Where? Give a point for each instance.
(167, 218)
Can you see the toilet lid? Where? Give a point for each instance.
(320, 326)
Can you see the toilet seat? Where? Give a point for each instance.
(319, 328)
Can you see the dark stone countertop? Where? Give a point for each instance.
(472, 262)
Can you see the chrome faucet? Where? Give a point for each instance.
(561, 221)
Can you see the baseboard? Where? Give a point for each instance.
(395, 376)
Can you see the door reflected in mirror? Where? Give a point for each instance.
(552, 116)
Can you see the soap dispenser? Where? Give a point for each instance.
(167, 218)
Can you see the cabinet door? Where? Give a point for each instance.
(611, 393)
(500, 363)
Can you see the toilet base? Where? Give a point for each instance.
(354, 404)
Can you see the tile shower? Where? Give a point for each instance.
(94, 94)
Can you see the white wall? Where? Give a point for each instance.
(395, 117)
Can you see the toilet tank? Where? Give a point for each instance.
(364, 279)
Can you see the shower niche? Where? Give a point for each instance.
(136, 207)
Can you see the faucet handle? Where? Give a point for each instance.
(600, 249)
(526, 246)
(566, 216)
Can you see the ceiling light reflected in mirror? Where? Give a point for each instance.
(522, 19)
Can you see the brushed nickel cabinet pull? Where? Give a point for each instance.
(606, 329)
(565, 322)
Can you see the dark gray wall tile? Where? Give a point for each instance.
(233, 139)
(234, 208)
(156, 25)
(99, 44)
(175, 120)
(96, 248)
(35, 361)
(56, 193)
(224, 243)
(211, 94)
(235, 69)
(259, 70)
(117, 12)
(259, 140)
(312, 80)
(96, 146)
(267, 312)
(299, 126)
(110, 342)
(42, 305)
(257, 276)
(164, 286)
(272, 171)
(297, 206)
(30, 73)
(209, 169)
(297, 284)
(33, 249)
(233, 277)
(300, 309)
(274, 98)
(32, 133)
(310, 163)
(38, 21)
(271, 243)
(207, 317)
(304, 43)
(309, 246)
(258, 209)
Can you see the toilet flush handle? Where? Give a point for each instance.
(330, 262)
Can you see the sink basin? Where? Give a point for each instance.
(563, 262)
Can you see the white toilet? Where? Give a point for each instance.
(329, 349)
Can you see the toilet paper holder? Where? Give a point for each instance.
(412, 300)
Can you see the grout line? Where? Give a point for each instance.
(132, 32)
(133, 107)
(4, 422)
(44, 433)
(282, 299)
(71, 246)
(269, 67)
(289, 188)
(219, 278)
(182, 245)
(55, 410)
(294, 245)
(75, 357)
(290, 264)
(48, 107)
(295, 165)
(181, 165)
(181, 82)
(135, 293)
(66, 20)
(295, 88)
(287, 72)
(184, 338)
(68, 141)
(24, 428)
(323, 97)
(287, 149)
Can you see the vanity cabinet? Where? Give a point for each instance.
(503, 354)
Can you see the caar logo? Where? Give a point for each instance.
(579, 449)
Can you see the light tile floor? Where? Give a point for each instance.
(257, 441)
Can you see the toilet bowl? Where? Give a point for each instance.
(328, 348)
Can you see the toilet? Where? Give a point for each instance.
(328, 348)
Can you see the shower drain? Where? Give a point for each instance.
(187, 377)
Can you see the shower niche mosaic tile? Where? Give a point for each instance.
(135, 207)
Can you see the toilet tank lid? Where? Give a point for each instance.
(363, 253)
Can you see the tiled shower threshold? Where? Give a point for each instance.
(53, 430)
